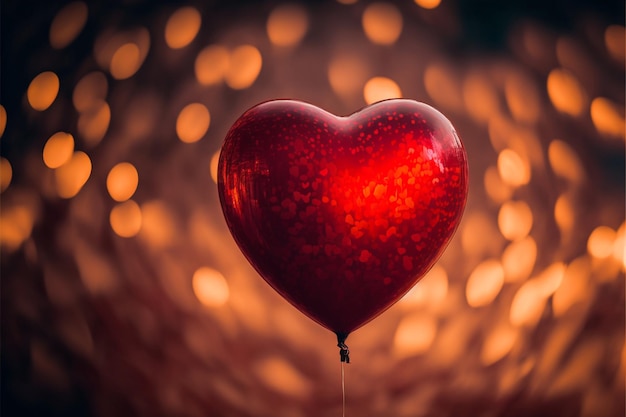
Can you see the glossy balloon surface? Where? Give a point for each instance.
(342, 215)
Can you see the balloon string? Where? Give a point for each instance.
(343, 391)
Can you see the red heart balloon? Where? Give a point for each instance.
(342, 215)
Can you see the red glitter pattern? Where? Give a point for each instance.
(342, 215)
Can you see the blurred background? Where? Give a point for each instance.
(122, 293)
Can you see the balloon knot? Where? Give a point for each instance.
(344, 352)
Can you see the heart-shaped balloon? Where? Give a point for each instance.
(342, 215)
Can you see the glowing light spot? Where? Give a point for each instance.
(215, 160)
(192, 122)
(430, 292)
(528, 305)
(67, 24)
(428, 4)
(122, 181)
(608, 117)
(498, 344)
(16, 225)
(94, 122)
(157, 224)
(484, 283)
(515, 219)
(480, 97)
(346, 75)
(380, 88)
(72, 175)
(501, 129)
(564, 161)
(565, 92)
(600, 242)
(382, 23)
(3, 119)
(564, 213)
(126, 219)
(575, 286)
(514, 170)
(280, 376)
(479, 235)
(442, 85)
(522, 98)
(615, 40)
(287, 24)
(518, 259)
(549, 280)
(212, 64)
(495, 188)
(122, 52)
(182, 27)
(125, 61)
(96, 272)
(43, 90)
(414, 335)
(6, 174)
(245, 66)
(90, 91)
(619, 246)
(58, 149)
(210, 287)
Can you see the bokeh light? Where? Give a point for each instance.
(244, 67)
(93, 123)
(215, 159)
(125, 61)
(58, 149)
(480, 97)
(6, 174)
(513, 170)
(564, 161)
(125, 219)
(515, 220)
(73, 174)
(565, 92)
(428, 4)
(122, 181)
(287, 24)
(212, 64)
(607, 117)
(484, 283)
(414, 335)
(600, 242)
(282, 377)
(518, 259)
(380, 88)
(615, 40)
(67, 24)
(347, 75)
(90, 91)
(382, 23)
(182, 27)
(210, 287)
(43, 90)
(193, 122)
(3, 119)
(498, 344)
(441, 85)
